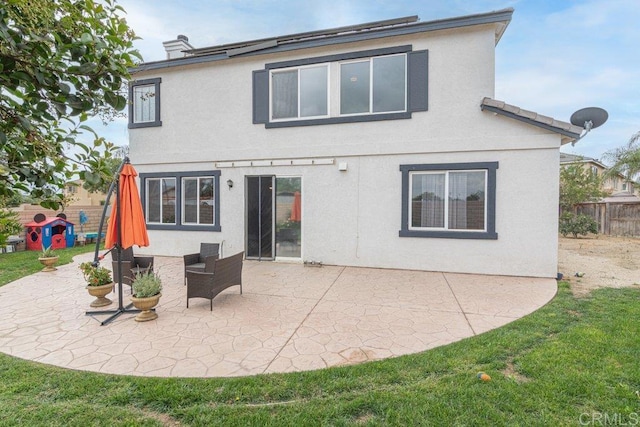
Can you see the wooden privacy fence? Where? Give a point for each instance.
(614, 218)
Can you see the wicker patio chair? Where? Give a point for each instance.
(207, 284)
(195, 262)
(131, 265)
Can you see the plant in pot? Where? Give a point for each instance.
(146, 293)
(48, 258)
(99, 283)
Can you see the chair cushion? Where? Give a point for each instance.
(195, 267)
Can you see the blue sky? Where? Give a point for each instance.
(556, 56)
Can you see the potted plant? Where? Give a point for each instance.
(99, 283)
(48, 258)
(146, 293)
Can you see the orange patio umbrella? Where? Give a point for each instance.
(133, 229)
(126, 228)
(296, 208)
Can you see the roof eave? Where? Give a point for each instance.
(569, 133)
(500, 17)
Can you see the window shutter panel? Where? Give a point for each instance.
(418, 78)
(261, 96)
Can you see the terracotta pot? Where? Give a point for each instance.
(100, 292)
(145, 306)
(48, 263)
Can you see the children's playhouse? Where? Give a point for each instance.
(44, 232)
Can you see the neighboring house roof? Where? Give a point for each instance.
(348, 34)
(570, 132)
(575, 158)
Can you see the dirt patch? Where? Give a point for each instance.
(603, 261)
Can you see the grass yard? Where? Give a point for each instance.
(573, 362)
(15, 265)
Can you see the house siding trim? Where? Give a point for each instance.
(178, 176)
(489, 234)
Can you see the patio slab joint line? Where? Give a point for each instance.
(304, 320)
(459, 305)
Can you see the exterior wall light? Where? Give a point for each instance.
(230, 184)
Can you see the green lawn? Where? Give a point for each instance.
(573, 362)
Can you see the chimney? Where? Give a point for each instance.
(176, 48)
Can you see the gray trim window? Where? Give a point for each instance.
(374, 85)
(394, 88)
(181, 200)
(300, 92)
(144, 103)
(198, 200)
(160, 198)
(452, 200)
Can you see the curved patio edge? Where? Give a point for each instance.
(288, 318)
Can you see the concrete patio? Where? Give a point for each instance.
(289, 318)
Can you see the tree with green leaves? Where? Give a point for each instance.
(61, 62)
(9, 225)
(578, 185)
(625, 160)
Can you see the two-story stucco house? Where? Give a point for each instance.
(376, 145)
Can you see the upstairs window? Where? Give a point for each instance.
(144, 105)
(375, 85)
(300, 93)
(388, 83)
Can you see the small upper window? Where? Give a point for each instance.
(144, 105)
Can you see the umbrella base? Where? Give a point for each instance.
(114, 313)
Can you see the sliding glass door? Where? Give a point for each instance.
(273, 217)
(288, 217)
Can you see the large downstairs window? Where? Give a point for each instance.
(182, 200)
(378, 84)
(449, 200)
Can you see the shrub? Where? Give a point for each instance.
(95, 276)
(577, 225)
(146, 284)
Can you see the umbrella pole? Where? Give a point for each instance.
(118, 247)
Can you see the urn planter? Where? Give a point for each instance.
(145, 305)
(100, 292)
(48, 263)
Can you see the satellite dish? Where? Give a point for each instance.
(589, 118)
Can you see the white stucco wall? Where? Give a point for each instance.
(353, 217)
